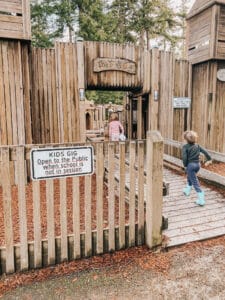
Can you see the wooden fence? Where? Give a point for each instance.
(15, 19)
(54, 96)
(15, 118)
(55, 220)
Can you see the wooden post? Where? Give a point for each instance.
(154, 96)
(139, 118)
(81, 85)
(154, 182)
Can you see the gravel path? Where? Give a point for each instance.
(195, 271)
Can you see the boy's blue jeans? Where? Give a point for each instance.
(192, 169)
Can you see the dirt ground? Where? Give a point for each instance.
(193, 271)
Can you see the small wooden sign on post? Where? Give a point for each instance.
(61, 162)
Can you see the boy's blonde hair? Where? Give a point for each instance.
(190, 136)
(114, 117)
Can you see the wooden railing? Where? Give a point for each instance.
(44, 222)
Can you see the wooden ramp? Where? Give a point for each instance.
(189, 222)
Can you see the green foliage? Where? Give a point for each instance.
(49, 20)
(103, 97)
(92, 20)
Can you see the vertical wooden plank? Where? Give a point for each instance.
(13, 81)
(76, 216)
(41, 95)
(54, 98)
(139, 118)
(99, 206)
(7, 208)
(73, 86)
(49, 96)
(37, 224)
(88, 237)
(68, 82)
(50, 221)
(63, 220)
(154, 181)
(111, 196)
(154, 98)
(80, 85)
(122, 195)
(64, 96)
(26, 19)
(45, 94)
(26, 83)
(19, 95)
(59, 92)
(141, 216)
(132, 194)
(7, 93)
(22, 208)
(36, 132)
(3, 133)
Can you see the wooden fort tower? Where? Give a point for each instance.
(206, 52)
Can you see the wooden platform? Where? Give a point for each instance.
(189, 222)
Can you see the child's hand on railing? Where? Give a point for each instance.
(209, 162)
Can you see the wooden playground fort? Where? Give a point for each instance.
(41, 106)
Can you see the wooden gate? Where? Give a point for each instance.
(50, 221)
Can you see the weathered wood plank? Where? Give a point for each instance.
(24, 261)
(132, 192)
(37, 224)
(88, 216)
(7, 210)
(140, 174)
(122, 195)
(63, 219)
(111, 196)
(50, 221)
(99, 207)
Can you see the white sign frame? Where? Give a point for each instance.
(181, 102)
(50, 163)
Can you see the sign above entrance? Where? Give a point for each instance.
(61, 162)
(114, 64)
(181, 102)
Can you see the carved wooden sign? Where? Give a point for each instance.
(114, 64)
(221, 74)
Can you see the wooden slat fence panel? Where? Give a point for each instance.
(105, 210)
(14, 94)
(55, 95)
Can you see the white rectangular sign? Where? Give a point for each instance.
(61, 162)
(181, 102)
